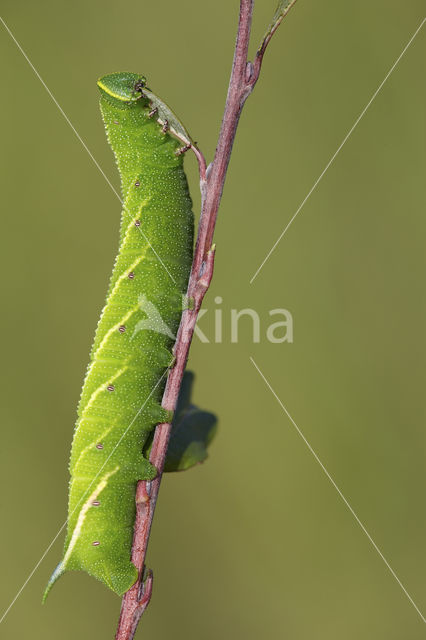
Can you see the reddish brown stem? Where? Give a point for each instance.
(243, 78)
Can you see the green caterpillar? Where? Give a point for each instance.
(121, 398)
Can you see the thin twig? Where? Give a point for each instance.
(281, 12)
(244, 76)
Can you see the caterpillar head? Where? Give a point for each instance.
(123, 86)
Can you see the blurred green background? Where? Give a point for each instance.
(256, 543)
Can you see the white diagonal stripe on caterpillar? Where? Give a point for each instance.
(126, 274)
(83, 512)
(91, 446)
(113, 329)
(104, 386)
(126, 211)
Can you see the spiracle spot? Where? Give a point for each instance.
(99, 445)
(110, 387)
(131, 275)
(137, 223)
(137, 183)
(122, 329)
(96, 543)
(96, 503)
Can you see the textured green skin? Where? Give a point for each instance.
(132, 362)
